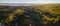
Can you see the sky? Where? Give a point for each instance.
(26, 2)
(29, 1)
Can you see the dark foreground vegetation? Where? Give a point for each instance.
(29, 16)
